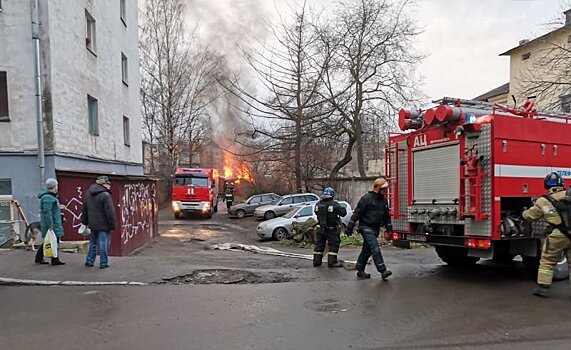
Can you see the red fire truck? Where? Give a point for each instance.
(195, 191)
(465, 170)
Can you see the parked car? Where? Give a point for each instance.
(280, 228)
(284, 205)
(241, 210)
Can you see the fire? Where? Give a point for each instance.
(238, 170)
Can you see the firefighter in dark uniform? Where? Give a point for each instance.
(372, 212)
(328, 212)
(229, 197)
(557, 240)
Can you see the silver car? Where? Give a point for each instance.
(281, 228)
(285, 205)
(241, 210)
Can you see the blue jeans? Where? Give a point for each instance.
(102, 239)
(370, 247)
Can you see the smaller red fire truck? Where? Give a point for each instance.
(195, 190)
(463, 172)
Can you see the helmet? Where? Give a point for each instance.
(379, 184)
(329, 192)
(553, 180)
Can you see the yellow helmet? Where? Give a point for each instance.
(379, 184)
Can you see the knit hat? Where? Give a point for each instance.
(51, 183)
(102, 180)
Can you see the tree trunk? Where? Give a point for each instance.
(359, 145)
(346, 159)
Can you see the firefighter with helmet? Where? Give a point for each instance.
(328, 212)
(558, 239)
(372, 212)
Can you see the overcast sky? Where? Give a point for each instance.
(462, 38)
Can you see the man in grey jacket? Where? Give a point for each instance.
(99, 215)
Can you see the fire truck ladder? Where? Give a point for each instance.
(392, 160)
(472, 174)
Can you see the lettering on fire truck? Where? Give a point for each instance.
(420, 140)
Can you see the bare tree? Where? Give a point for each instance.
(284, 109)
(177, 81)
(370, 71)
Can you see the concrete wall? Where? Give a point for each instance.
(17, 60)
(76, 72)
(347, 189)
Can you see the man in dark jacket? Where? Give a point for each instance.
(328, 212)
(372, 212)
(99, 215)
(50, 217)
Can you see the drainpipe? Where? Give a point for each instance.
(38, 78)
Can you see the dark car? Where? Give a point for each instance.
(247, 208)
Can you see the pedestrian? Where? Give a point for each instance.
(372, 212)
(558, 239)
(50, 217)
(99, 215)
(329, 213)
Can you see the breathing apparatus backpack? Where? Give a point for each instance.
(563, 208)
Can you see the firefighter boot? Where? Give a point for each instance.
(317, 259)
(386, 274)
(541, 291)
(363, 274)
(332, 261)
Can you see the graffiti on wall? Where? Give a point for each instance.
(137, 210)
(72, 208)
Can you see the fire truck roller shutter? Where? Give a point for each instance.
(436, 174)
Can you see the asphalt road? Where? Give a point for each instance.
(425, 305)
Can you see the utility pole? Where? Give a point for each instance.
(38, 78)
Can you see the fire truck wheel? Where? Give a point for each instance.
(240, 214)
(503, 257)
(456, 256)
(269, 215)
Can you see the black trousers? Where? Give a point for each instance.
(330, 236)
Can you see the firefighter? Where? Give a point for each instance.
(372, 212)
(229, 197)
(558, 239)
(328, 212)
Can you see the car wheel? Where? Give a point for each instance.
(456, 256)
(269, 215)
(280, 234)
(240, 214)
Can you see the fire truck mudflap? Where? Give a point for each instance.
(465, 170)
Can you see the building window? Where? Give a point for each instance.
(126, 136)
(4, 115)
(526, 56)
(565, 103)
(90, 32)
(92, 115)
(5, 187)
(123, 10)
(124, 69)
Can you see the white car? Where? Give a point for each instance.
(284, 205)
(280, 228)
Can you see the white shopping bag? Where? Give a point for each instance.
(84, 230)
(50, 244)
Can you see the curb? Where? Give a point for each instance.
(24, 282)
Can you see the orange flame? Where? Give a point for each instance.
(240, 170)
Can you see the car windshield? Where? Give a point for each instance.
(276, 201)
(249, 199)
(291, 214)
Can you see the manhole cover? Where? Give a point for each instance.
(327, 305)
(216, 276)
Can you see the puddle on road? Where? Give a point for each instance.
(217, 276)
(327, 305)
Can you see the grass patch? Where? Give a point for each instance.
(292, 243)
(356, 240)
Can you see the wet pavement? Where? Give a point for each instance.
(207, 299)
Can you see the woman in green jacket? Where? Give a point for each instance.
(50, 217)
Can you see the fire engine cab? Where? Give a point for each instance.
(195, 190)
(461, 173)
